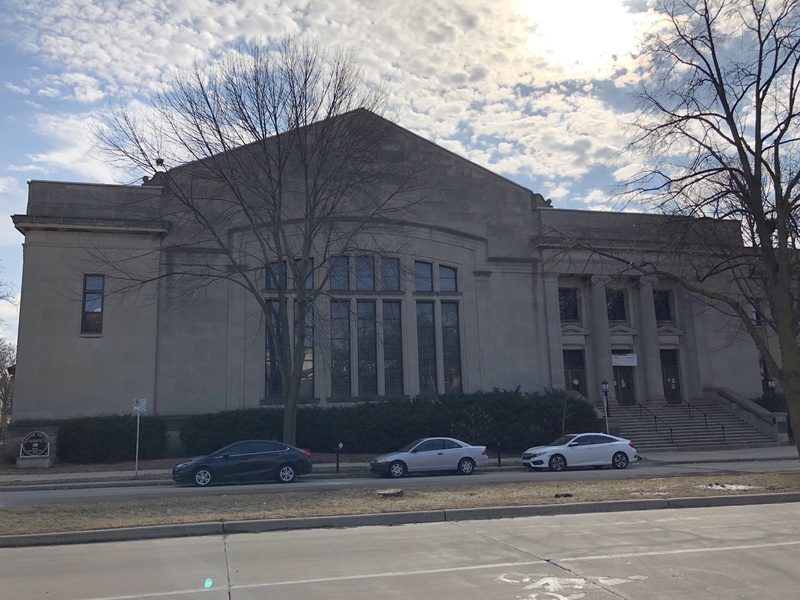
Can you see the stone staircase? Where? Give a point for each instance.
(695, 427)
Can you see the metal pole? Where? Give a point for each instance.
(136, 468)
(605, 402)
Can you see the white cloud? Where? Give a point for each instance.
(9, 319)
(511, 84)
(17, 89)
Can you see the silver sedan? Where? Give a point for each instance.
(431, 454)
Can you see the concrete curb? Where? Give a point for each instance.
(385, 519)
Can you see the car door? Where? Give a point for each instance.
(580, 451)
(602, 449)
(266, 458)
(453, 452)
(231, 462)
(427, 456)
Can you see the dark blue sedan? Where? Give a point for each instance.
(248, 461)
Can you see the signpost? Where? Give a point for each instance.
(139, 406)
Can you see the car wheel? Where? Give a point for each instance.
(397, 469)
(466, 466)
(620, 460)
(287, 474)
(557, 463)
(203, 477)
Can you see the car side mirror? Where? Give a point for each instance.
(226, 456)
(571, 444)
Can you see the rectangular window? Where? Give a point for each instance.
(307, 376)
(615, 302)
(340, 348)
(367, 349)
(447, 279)
(390, 274)
(426, 348)
(309, 273)
(392, 349)
(575, 371)
(340, 273)
(423, 276)
(568, 305)
(451, 348)
(365, 273)
(274, 384)
(276, 273)
(662, 301)
(93, 292)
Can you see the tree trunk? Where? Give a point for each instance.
(290, 418)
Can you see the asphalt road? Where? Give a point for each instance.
(743, 552)
(60, 494)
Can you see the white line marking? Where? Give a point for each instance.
(553, 561)
(389, 574)
(670, 552)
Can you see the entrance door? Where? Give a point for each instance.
(623, 386)
(671, 376)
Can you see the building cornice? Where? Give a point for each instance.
(26, 223)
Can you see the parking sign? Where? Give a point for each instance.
(140, 405)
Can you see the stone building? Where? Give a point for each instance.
(481, 293)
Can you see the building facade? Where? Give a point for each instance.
(484, 292)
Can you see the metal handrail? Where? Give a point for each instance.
(656, 419)
(706, 417)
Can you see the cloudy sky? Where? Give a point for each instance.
(535, 90)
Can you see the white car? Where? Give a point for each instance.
(581, 450)
(431, 454)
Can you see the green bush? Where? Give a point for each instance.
(511, 418)
(110, 438)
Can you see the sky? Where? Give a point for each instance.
(535, 90)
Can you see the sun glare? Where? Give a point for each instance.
(582, 38)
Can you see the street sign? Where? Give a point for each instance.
(140, 405)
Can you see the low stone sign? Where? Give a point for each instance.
(35, 443)
(34, 451)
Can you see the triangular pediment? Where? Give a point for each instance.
(574, 330)
(621, 330)
(669, 330)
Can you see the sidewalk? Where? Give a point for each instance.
(40, 476)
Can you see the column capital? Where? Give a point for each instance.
(648, 280)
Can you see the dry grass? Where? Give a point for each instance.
(233, 507)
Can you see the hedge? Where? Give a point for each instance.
(110, 438)
(511, 418)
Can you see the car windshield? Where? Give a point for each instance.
(563, 440)
(408, 447)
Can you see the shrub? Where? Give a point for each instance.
(511, 418)
(110, 438)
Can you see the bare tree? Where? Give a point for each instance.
(718, 131)
(8, 358)
(272, 162)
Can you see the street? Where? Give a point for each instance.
(61, 494)
(742, 552)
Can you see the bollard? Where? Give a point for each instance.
(338, 449)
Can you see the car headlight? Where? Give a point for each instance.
(182, 466)
(533, 455)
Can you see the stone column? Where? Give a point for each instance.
(601, 341)
(552, 316)
(689, 353)
(648, 329)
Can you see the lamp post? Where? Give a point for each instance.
(604, 386)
